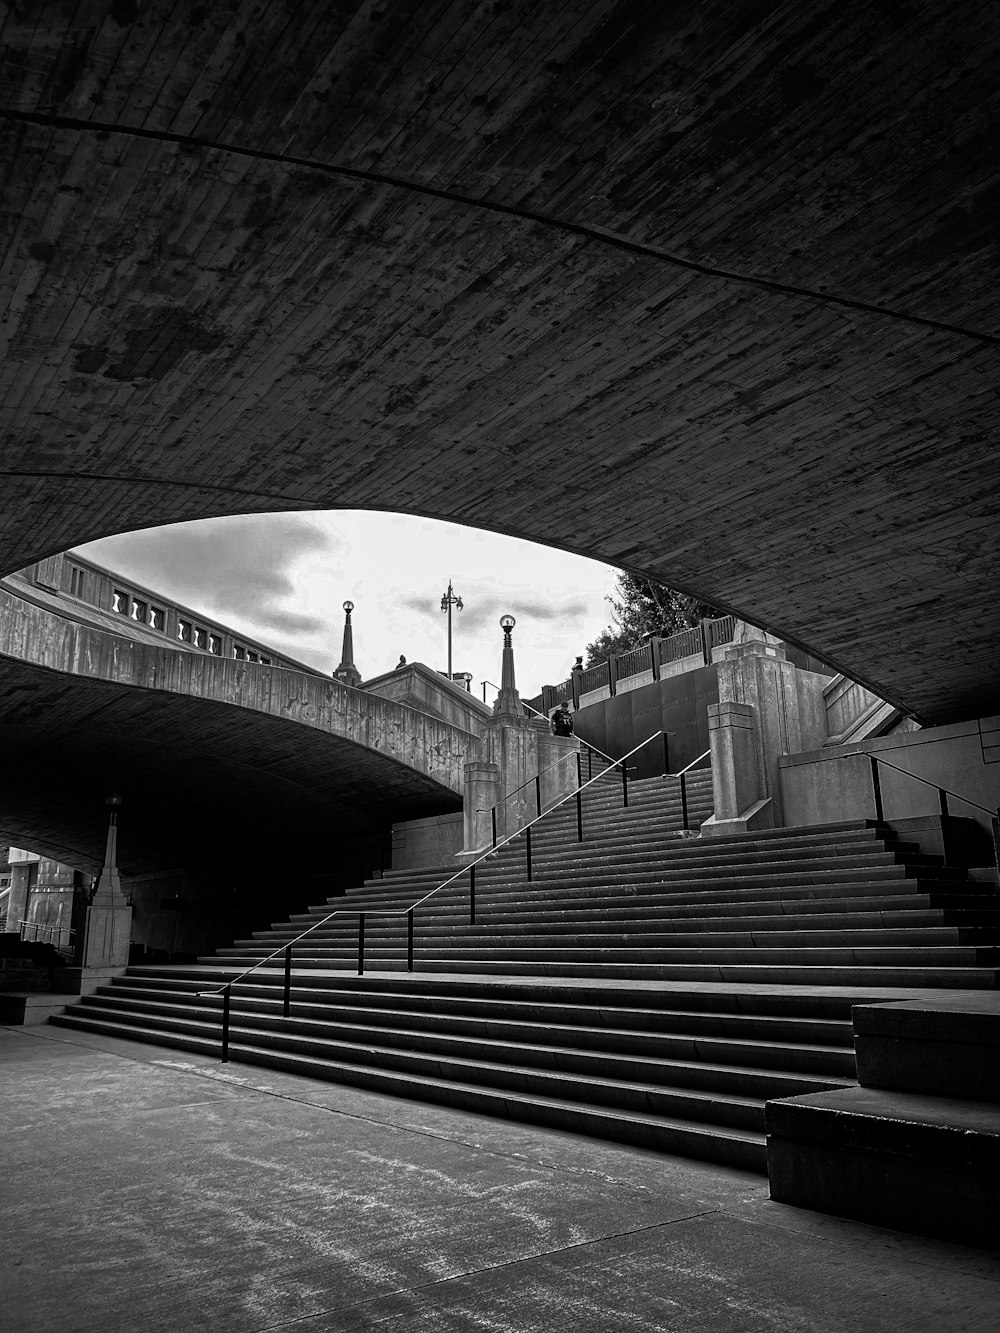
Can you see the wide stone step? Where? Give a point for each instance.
(918, 926)
(535, 998)
(805, 1045)
(474, 953)
(674, 1061)
(730, 847)
(722, 1108)
(531, 897)
(639, 969)
(722, 1144)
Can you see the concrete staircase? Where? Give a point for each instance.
(646, 986)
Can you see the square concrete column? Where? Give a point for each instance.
(482, 793)
(740, 803)
(512, 744)
(756, 672)
(557, 766)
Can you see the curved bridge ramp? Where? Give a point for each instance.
(209, 754)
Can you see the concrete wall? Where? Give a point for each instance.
(824, 786)
(427, 842)
(675, 704)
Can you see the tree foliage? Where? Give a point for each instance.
(644, 608)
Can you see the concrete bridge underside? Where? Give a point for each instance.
(217, 760)
(707, 290)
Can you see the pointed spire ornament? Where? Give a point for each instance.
(508, 701)
(347, 672)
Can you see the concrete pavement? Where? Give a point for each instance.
(152, 1190)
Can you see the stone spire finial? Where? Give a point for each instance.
(347, 672)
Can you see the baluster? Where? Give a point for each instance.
(877, 790)
(225, 1025)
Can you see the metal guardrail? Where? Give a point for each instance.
(699, 639)
(687, 643)
(42, 934)
(943, 793)
(285, 950)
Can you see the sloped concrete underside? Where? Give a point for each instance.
(707, 291)
(209, 754)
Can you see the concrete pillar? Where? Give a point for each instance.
(482, 793)
(20, 889)
(755, 671)
(741, 804)
(108, 924)
(556, 766)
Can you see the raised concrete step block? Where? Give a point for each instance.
(923, 1164)
(944, 1046)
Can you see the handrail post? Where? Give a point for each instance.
(493, 813)
(409, 940)
(361, 944)
(590, 763)
(579, 799)
(527, 849)
(624, 785)
(472, 895)
(225, 1024)
(995, 822)
(666, 753)
(877, 790)
(943, 802)
(288, 981)
(538, 795)
(684, 801)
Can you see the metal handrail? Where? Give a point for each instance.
(361, 912)
(43, 934)
(688, 768)
(875, 759)
(538, 778)
(943, 794)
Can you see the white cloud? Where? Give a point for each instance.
(283, 578)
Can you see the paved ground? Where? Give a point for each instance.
(145, 1189)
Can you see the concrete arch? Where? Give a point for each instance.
(705, 294)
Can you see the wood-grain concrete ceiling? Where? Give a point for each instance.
(703, 289)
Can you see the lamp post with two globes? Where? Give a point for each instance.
(449, 600)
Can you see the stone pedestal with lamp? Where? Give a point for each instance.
(515, 749)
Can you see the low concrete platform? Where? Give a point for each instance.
(163, 1191)
(943, 1045)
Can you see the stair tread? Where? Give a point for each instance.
(736, 1134)
(502, 1068)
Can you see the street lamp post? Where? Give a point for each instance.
(508, 701)
(449, 600)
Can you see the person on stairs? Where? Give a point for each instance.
(562, 720)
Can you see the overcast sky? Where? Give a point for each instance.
(283, 578)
